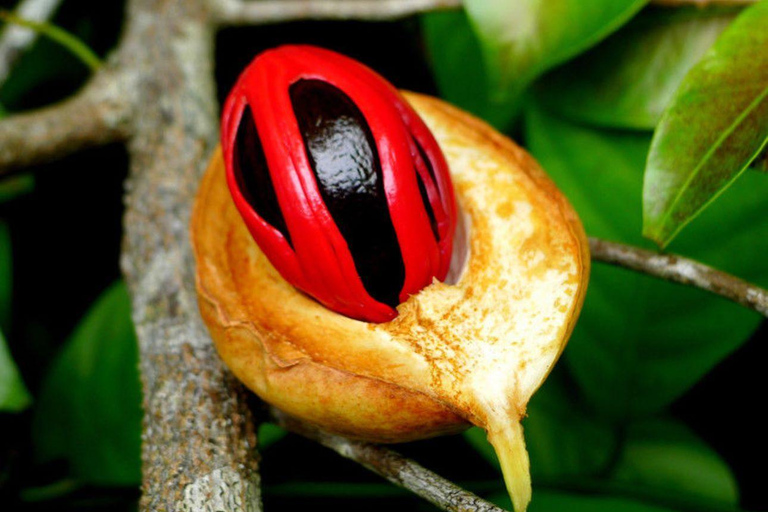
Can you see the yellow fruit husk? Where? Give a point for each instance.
(473, 349)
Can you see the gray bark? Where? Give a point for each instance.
(199, 434)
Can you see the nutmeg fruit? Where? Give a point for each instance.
(470, 350)
(338, 180)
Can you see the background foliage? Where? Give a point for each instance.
(656, 406)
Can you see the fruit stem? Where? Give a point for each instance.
(506, 436)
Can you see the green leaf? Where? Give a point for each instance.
(269, 434)
(665, 455)
(6, 277)
(760, 163)
(715, 126)
(524, 38)
(12, 187)
(478, 439)
(629, 79)
(89, 409)
(561, 437)
(552, 501)
(456, 60)
(14, 396)
(66, 39)
(641, 342)
(660, 459)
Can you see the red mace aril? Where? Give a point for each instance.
(339, 181)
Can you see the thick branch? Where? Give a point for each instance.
(15, 40)
(198, 449)
(98, 114)
(681, 270)
(392, 466)
(240, 12)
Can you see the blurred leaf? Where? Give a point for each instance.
(478, 439)
(457, 65)
(13, 394)
(44, 74)
(659, 458)
(760, 163)
(641, 342)
(551, 501)
(89, 409)
(715, 126)
(522, 39)
(53, 491)
(66, 39)
(666, 455)
(12, 187)
(6, 277)
(628, 80)
(561, 437)
(269, 434)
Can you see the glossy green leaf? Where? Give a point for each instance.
(629, 79)
(641, 342)
(89, 408)
(715, 126)
(664, 455)
(13, 394)
(456, 60)
(524, 38)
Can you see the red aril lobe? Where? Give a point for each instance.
(338, 180)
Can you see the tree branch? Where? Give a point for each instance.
(15, 40)
(98, 114)
(394, 467)
(240, 12)
(199, 442)
(681, 270)
(244, 12)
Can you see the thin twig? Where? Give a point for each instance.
(15, 40)
(394, 467)
(97, 115)
(239, 12)
(681, 270)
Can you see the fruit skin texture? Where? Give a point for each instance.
(338, 180)
(469, 352)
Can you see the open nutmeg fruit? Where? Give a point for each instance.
(379, 263)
